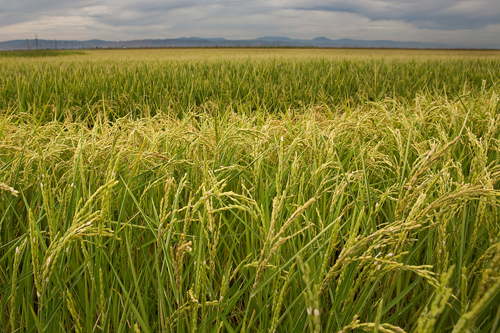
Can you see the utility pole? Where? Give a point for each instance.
(28, 43)
(55, 43)
(36, 40)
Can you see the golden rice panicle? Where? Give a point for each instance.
(311, 298)
(13, 293)
(428, 317)
(6, 187)
(34, 241)
(48, 203)
(70, 303)
(102, 299)
(279, 303)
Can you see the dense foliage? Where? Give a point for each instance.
(286, 191)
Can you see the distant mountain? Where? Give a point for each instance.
(321, 40)
(269, 41)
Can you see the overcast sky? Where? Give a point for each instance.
(468, 23)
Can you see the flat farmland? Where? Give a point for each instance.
(250, 190)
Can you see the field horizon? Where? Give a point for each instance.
(190, 42)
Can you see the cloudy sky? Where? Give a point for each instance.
(468, 23)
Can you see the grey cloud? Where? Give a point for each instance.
(156, 12)
(14, 12)
(162, 6)
(425, 14)
(465, 21)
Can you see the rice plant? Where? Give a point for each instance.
(232, 194)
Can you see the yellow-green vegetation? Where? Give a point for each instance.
(250, 190)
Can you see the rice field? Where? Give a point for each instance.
(250, 190)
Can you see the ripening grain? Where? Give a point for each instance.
(250, 191)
